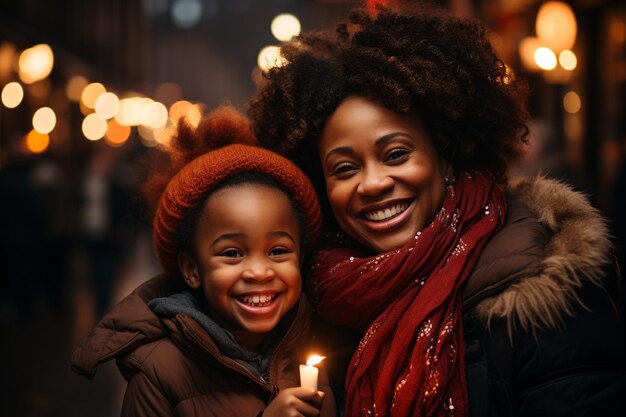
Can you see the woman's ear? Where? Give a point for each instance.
(189, 268)
(446, 169)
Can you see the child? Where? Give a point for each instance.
(221, 333)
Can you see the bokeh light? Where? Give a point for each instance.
(116, 134)
(285, 26)
(37, 142)
(157, 117)
(527, 48)
(568, 59)
(179, 109)
(75, 86)
(186, 13)
(545, 58)
(168, 93)
(193, 115)
(35, 63)
(44, 120)
(8, 55)
(91, 93)
(572, 102)
(94, 127)
(556, 25)
(107, 105)
(147, 136)
(270, 57)
(12, 95)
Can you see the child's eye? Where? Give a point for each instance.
(397, 154)
(279, 251)
(231, 253)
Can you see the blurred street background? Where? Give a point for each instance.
(88, 87)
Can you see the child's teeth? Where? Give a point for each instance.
(257, 299)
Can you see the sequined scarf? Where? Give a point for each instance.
(410, 360)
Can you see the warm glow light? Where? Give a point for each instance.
(37, 142)
(147, 136)
(556, 25)
(12, 95)
(193, 115)
(157, 117)
(568, 60)
(618, 31)
(545, 58)
(314, 360)
(91, 93)
(179, 109)
(168, 93)
(107, 105)
(35, 63)
(133, 111)
(527, 48)
(270, 57)
(75, 87)
(8, 54)
(285, 26)
(510, 75)
(572, 102)
(116, 134)
(164, 135)
(44, 120)
(94, 127)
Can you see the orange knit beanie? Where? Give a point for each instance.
(197, 178)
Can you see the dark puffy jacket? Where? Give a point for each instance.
(174, 367)
(541, 327)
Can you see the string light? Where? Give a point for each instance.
(285, 26)
(44, 120)
(12, 95)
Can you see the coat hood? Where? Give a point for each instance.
(127, 326)
(531, 273)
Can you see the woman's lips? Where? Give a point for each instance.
(389, 217)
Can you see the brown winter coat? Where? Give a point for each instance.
(541, 328)
(175, 369)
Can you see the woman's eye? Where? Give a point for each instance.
(343, 169)
(396, 154)
(231, 253)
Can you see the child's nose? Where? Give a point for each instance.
(258, 270)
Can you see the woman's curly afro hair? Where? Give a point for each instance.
(410, 60)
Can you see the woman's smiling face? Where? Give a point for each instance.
(384, 179)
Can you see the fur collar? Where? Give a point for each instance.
(576, 253)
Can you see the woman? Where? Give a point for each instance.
(471, 297)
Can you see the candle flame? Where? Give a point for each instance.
(314, 360)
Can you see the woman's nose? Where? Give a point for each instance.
(374, 182)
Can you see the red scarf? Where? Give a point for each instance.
(410, 361)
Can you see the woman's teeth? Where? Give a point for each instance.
(386, 214)
(257, 300)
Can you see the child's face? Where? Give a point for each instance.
(247, 259)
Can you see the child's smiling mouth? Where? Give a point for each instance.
(257, 300)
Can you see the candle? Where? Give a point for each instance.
(308, 372)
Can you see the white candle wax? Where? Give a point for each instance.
(308, 376)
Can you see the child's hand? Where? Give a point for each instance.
(295, 402)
